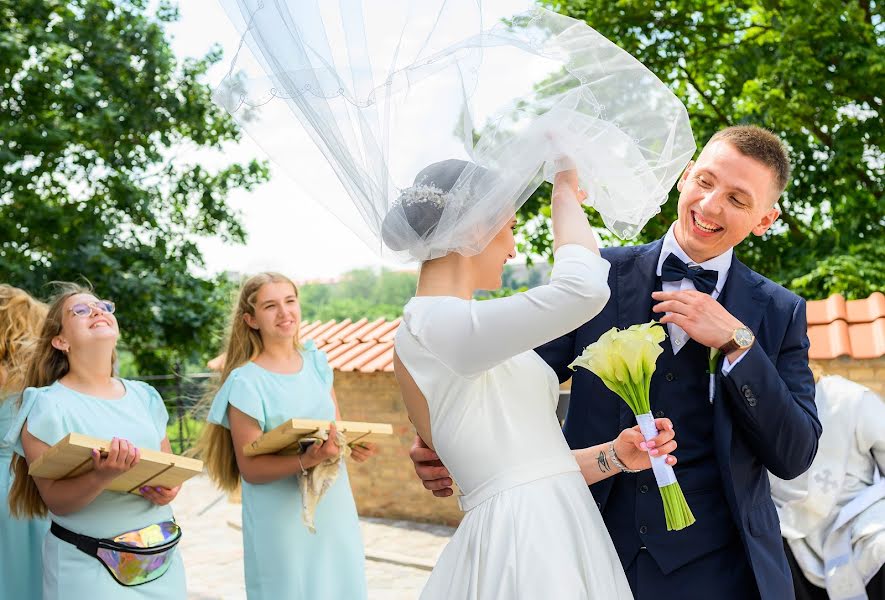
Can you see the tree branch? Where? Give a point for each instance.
(865, 5)
(828, 141)
(708, 49)
(796, 230)
(723, 118)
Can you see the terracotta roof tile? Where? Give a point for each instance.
(316, 333)
(338, 349)
(355, 346)
(829, 341)
(367, 356)
(382, 363)
(365, 332)
(351, 329)
(351, 354)
(386, 330)
(332, 332)
(853, 328)
(331, 346)
(867, 311)
(821, 312)
(867, 339)
(387, 337)
(307, 327)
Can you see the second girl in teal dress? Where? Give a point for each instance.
(268, 378)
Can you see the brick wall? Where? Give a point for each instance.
(387, 486)
(868, 372)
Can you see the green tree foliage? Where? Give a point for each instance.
(94, 111)
(360, 293)
(812, 72)
(371, 294)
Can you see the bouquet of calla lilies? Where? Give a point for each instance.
(624, 360)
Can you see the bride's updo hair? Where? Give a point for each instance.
(417, 212)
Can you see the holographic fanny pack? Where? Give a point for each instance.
(132, 558)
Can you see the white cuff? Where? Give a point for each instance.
(728, 366)
(577, 252)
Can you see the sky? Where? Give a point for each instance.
(288, 231)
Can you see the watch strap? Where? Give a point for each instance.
(729, 347)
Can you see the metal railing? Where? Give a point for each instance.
(183, 395)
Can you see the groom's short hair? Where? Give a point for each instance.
(761, 145)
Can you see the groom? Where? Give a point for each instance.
(760, 416)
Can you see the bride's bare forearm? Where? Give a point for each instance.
(570, 225)
(595, 464)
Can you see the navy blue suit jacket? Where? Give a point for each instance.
(764, 411)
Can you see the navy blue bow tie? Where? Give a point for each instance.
(675, 270)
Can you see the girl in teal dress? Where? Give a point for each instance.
(269, 377)
(70, 388)
(21, 540)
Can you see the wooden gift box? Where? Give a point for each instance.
(72, 456)
(285, 438)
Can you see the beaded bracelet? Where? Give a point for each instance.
(613, 457)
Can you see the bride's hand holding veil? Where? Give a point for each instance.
(570, 224)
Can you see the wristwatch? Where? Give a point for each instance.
(741, 339)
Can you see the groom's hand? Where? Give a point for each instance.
(634, 451)
(430, 469)
(699, 315)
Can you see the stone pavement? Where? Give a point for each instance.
(399, 554)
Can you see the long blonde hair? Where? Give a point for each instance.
(21, 318)
(46, 365)
(215, 446)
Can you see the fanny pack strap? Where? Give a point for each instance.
(90, 545)
(87, 544)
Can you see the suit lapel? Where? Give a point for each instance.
(744, 296)
(636, 282)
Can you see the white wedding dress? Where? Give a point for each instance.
(531, 528)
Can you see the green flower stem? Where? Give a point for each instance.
(676, 511)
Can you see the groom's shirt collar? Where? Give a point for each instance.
(721, 264)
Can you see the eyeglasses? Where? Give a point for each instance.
(82, 309)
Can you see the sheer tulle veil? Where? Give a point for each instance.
(457, 106)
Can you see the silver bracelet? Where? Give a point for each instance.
(301, 464)
(613, 457)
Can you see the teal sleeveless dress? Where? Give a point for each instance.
(282, 558)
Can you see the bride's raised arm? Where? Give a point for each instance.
(570, 224)
(471, 337)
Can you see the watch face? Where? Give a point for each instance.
(744, 337)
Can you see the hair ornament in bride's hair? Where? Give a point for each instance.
(423, 193)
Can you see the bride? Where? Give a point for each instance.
(485, 403)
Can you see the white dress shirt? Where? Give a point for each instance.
(721, 264)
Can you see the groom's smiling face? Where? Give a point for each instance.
(724, 197)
